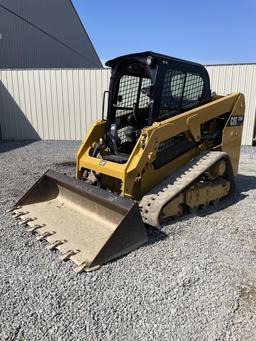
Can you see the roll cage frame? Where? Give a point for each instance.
(155, 67)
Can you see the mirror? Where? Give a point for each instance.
(148, 90)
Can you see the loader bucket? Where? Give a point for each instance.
(86, 224)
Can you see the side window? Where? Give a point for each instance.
(128, 90)
(172, 92)
(128, 93)
(193, 90)
(181, 91)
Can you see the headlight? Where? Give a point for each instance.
(150, 61)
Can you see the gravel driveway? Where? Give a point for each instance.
(195, 280)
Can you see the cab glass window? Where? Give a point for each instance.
(181, 91)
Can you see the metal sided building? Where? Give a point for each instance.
(43, 34)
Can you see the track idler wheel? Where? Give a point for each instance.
(218, 169)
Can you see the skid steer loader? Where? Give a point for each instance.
(167, 147)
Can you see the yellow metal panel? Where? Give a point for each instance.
(232, 135)
(96, 131)
(107, 167)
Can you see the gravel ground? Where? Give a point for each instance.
(196, 280)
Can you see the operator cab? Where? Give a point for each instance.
(147, 87)
(129, 108)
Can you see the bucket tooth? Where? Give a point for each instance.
(19, 214)
(94, 268)
(26, 220)
(54, 245)
(45, 235)
(33, 228)
(12, 209)
(81, 267)
(68, 254)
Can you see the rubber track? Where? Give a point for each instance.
(154, 201)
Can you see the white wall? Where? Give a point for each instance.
(62, 104)
(50, 104)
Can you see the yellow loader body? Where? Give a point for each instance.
(138, 176)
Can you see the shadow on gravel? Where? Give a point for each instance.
(244, 184)
(6, 146)
(66, 164)
(154, 235)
